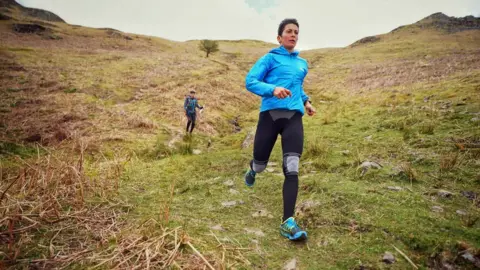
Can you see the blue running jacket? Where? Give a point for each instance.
(279, 68)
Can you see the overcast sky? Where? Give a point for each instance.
(323, 23)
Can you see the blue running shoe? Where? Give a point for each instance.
(290, 230)
(250, 178)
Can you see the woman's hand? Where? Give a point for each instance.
(281, 92)
(310, 109)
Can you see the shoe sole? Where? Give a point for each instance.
(299, 236)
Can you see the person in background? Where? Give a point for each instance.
(190, 106)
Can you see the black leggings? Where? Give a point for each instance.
(191, 121)
(290, 126)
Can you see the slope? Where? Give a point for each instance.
(408, 101)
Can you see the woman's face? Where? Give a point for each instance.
(289, 36)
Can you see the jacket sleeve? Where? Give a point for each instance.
(254, 80)
(198, 106)
(185, 104)
(305, 97)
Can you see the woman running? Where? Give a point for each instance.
(278, 78)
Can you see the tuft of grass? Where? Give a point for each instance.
(159, 150)
(427, 127)
(44, 197)
(408, 134)
(408, 172)
(5, 110)
(185, 148)
(14, 90)
(70, 90)
(20, 49)
(449, 161)
(17, 103)
(474, 153)
(330, 115)
(316, 148)
(321, 164)
(8, 148)
(138, 121)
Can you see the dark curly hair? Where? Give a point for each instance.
(282, 25)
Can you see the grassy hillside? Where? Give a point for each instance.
(96, 171)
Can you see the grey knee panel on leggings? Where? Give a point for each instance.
(291, 163)
(259, 166)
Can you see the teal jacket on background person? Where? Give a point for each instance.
(191, 104)
(279, 68)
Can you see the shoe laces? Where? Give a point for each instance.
(292, 226)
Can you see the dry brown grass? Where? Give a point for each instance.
(154, 81)
(407, 171)
(47, 197)
(151, 246)
(406, 72)
(94, 85)
(48, 219)
(138, 121)
(450, 161)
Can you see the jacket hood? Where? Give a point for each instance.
(283, 51)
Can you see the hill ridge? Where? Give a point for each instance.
(438, 21)
(452, 24)
(92, 152)
(31, 12)
(441, 21)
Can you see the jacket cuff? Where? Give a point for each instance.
(270, 91)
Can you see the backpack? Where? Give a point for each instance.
(191, 102)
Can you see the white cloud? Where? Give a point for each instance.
(261, 5)
(322, 23)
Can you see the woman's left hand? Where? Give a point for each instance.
(310, 109)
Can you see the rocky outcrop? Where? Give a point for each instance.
(31, 12)
(438, 21)
(42, 14)
(450, 24)
(4, 17)
(8, 3)
(28, 28)
(443, 22)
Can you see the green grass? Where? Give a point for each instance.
(13, 90)
(8, 149)
(369, 109)
(357, 219)
(70, 90)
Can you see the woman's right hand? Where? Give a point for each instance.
(281, 92)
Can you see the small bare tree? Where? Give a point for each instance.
(208, 46)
